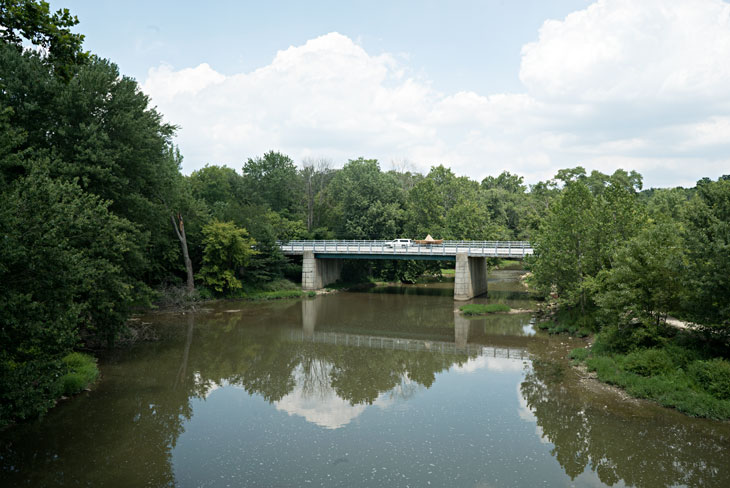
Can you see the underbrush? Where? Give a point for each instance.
(178, 297)
(81, 372)
(480, 309)
(553, 327)
(273, 290)
(670, 374)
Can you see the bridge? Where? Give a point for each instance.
(413, 345)
(322, 260)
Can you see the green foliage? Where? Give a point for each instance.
(579, 354)
(32, 20)
(273, 181)
(674, 371)
(61, 268)
(592, 218)
(481, 309)
(707, 240)
(81, 372)
(626, 338)
(405, 271)
(227, 250)
(563, 327)
(713, 376)
(648, 362)
(369, 203)
(671, 388)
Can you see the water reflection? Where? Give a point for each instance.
(637, 444)
(354, 389)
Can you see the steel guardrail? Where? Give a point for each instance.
(505, 249)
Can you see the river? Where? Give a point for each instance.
(388, 387)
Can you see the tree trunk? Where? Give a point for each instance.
(180, 231)
(181, 372)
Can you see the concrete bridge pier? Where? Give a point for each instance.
(309, 317)
(461, 329)
(318, 273)
(470, 279)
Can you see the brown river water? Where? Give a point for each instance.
(388, 387)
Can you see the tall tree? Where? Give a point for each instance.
(369, 201)
(273, 180)
(707, 238)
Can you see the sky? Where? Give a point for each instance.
(525, 86)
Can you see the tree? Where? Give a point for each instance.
(369, 202)
(227, 250)
(585, 227)
(273, 180)
(32, 20)
(644, 283)
(707, 239)
(424, 210)
(315, 175)
(563, 246)
(180, 233)
(61, 265)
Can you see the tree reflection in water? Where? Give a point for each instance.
(126, 431)
(660, 448)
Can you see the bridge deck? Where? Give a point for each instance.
(386, 250)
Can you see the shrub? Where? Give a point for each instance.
(82, 371)
(605, 368)
(546, 325)
(713, 376)
(579, 354)
(648, 362)
(626, 338)
(227, 248)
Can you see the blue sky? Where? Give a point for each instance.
(524, 86)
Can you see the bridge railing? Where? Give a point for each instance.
(508, 248)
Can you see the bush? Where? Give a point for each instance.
(579, 354)
(227, 248)
(479, 309)
(648, 362)
(624, 339)
(546, 325)
(713, 376)
(605, 368)
(177, 297)
(82, 372)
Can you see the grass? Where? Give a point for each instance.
(273, 295)
(479, 309)
(82, 372)
(274, 290)
(448, 272)
(696, 387)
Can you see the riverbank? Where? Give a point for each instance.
(671, 375)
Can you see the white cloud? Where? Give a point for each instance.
(640, 85)
(491, 364)
(318, 402)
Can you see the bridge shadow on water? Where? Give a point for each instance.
(435, 290)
